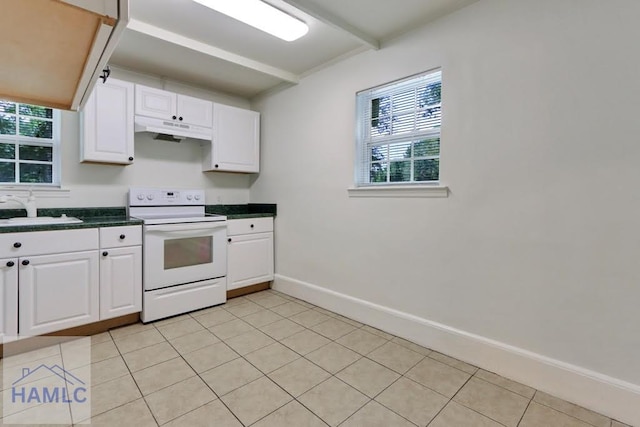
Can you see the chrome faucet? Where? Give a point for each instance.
(29, 204)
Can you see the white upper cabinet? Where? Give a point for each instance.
(106, 124)
(162, 104)
(195, 111)
(236, 141)
(151, 102)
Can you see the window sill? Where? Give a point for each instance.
(38, 192)
(400, 191)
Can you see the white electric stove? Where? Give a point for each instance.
(184, 251)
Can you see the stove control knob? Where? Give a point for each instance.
(197, 197)
(150, 196)
(189, 197)
(140, 196)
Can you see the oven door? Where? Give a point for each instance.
(183, 253)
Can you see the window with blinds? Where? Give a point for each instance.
(398, 131)
(29, 136)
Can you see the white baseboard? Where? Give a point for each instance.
(601, 393)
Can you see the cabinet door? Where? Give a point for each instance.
(250, 260)
(58, 292)
(107, 124)
(157, 103)
(8, 299)
(236, 140)
(120, 281)
(195, 111)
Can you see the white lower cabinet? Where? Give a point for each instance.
(8, 299)
(45, 288)
(250, 253)
(57, 292)
(120, 271)
(120, 281)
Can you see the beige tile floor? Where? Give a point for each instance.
(270, 360)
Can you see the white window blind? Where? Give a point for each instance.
(29, 139)
(398, 131)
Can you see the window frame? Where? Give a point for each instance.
(365, 141)
(54, 143)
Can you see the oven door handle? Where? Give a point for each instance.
(182, 228)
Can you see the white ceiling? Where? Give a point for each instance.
(183, 40)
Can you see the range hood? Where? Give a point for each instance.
(53, 51)
(169, 130)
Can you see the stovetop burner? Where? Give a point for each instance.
(169, 206)
(177, 218)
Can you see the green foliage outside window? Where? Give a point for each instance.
(420, 157)
(23, 158)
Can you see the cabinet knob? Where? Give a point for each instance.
(17, 244)
(25, 262)
(131, 159)
(10, 263)
(105, 253)
(229, 240)
(215, 166)
(251, 226)
(173, 117)
(180, 118)
(122, 236)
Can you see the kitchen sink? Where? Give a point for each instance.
(41, 220)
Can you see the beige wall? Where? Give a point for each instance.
(537, 245)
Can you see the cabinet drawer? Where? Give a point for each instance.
(47, 242)
(249, 225)
(115, 237)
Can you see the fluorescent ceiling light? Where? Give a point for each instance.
(261, 16)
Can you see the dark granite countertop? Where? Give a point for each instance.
(117, 216)
(250, 210)
(91, 217)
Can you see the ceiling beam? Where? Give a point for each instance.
(207, 49)
(312, 9)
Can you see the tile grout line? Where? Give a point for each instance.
(197, 374)
(239, 357)
(525, 411)
(471, 375)
(569, 415)
(465, 406)
(35, 381)
(134, 380)
(408, 379)
(383, 405)
(265, 375)
(502, 387)
(448, 402)
(365, 404)
(304, 357)
(114, 379)
(66, 385)
(332, 375)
